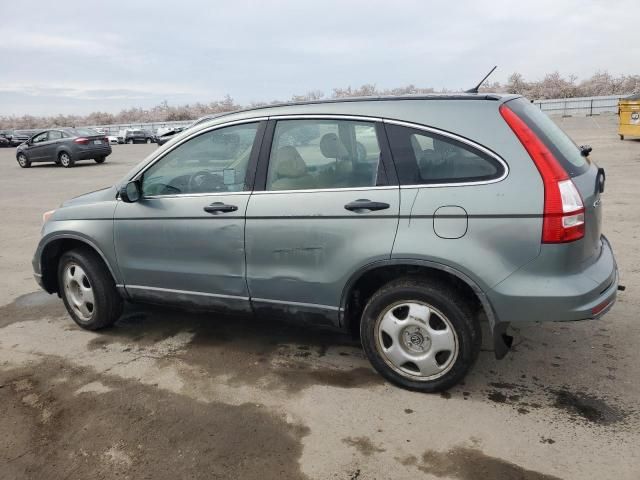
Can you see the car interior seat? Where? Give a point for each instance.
(338, 175)
(290, 172)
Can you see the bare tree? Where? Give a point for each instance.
(553, 85)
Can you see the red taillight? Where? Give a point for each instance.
(81, 141)
(563, 219)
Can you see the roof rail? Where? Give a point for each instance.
(434, 96)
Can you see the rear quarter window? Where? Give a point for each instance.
(554, 138)
(424, 157)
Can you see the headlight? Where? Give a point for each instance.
(46, 216)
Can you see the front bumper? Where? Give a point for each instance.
(529, 296)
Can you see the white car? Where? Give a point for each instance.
(113, 139)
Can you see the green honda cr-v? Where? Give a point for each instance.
(406, 220)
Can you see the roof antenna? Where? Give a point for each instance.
(475, 89)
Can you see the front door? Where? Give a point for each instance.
(183, 242)
(326, 204)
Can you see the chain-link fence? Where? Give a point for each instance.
(580, 106)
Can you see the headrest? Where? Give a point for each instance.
(289, 163)
(332, 147)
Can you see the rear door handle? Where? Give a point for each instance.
(362, 205)
(219, 207)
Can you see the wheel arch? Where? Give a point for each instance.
(55, 247)
(61, 150)
(365, 281)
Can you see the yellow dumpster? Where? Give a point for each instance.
(629, 112)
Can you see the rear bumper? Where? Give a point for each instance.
(529, 296)
(88, 153)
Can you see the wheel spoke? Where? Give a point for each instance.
(396, 354)
(78, 274)
(84, 309)
(419, 314)
(428, 365)
(442, 340)
(87, 294)
(391, 325)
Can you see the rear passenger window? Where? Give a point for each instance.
(317, 154)
(423, 157)
(55, 135)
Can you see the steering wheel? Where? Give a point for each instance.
(204, 181)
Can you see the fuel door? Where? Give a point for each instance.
(450, 221)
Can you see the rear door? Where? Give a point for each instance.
(50, 150)
(326, 203)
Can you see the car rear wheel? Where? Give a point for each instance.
(420, 335)
(23, 161)
(65, 160)
(100, 159)
(88, 290)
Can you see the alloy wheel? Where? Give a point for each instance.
(416, 340)
(78, 291)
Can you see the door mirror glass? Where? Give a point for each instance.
(130, 193)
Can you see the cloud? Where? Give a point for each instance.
(25, 42)
(122, 54)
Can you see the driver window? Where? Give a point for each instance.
(42, 137)
(215, 161)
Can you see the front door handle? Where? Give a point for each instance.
(219, 207)
(362, 205)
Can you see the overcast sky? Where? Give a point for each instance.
(77, 57)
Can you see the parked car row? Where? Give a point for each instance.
(14, 138)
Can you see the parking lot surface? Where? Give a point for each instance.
(167, 394)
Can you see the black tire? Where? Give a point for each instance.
(23, 161)
(443, 299)
(100, 159)
(621, 137)
(107, 303)
(66, 160)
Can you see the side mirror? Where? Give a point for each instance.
(131, 192)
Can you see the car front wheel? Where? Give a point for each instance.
(23, 161)
(420, 335)
(88, 290)
(130, 142)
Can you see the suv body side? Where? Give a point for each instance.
(498, 253)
